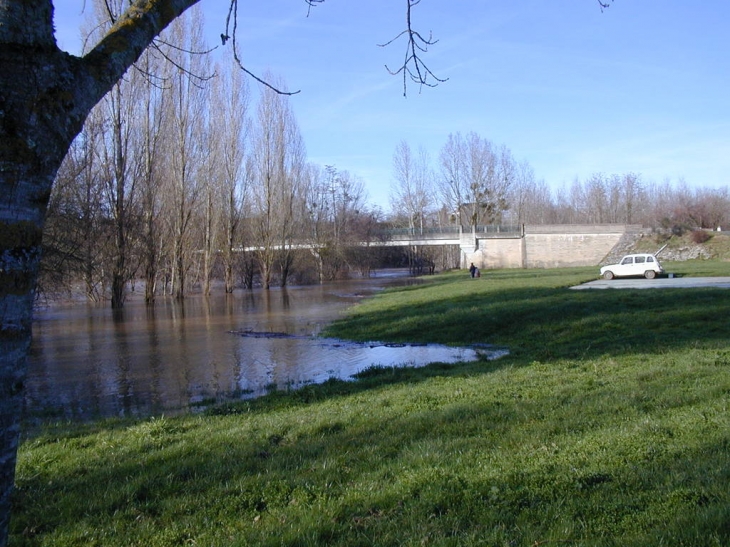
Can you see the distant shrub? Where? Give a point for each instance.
(678, 230)
(662, 237)
(699, 236)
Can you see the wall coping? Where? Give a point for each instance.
(582, 228)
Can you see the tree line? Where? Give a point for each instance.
(476, 182)
(179, 177)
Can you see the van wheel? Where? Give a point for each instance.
(650, 274)
(608, 275)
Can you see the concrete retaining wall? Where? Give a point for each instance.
(549, 246)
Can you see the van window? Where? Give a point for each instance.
(640, 259)
(650, 259)
(628, 260)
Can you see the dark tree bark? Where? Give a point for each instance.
(45, 96)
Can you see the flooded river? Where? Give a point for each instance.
(87, 361)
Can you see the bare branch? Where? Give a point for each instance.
(312, 4)
(155, 80)
(125, 41)
(196, 79)
(159, 41)
(605, 4)
(413, 67)
(231, 32)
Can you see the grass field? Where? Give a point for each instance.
(607, 425)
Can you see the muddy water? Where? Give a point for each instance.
(88, 362)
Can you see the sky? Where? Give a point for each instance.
(572, 89)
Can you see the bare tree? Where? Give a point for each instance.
(278, 170)
(632, 196)
(605, 198)
(673, 207)
(689, 208)
(211, 214)
(715, 203)
(475, 178)
(230, 135)
(413, 67)
(150, 118)
(118, 152)
(316, 217)
(365, 227)
(333, 209)
(186, 140)
(73, 233)
(120, 173)
(596, 199)
(530, 200)
(412, 193)
(346, 199)
(454, 183)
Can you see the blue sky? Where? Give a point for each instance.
(641, 87)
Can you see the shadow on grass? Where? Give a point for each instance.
(496, 462)
(536, 325)
(554, 323)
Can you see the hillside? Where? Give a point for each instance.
(684, 247)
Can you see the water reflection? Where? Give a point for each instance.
(88, 361)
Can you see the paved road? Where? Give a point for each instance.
(659, 283)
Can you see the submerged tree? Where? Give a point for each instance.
(187, 144)
(278, 168)
(230, 117)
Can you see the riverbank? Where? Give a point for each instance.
(606, 424)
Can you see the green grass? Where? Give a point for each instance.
(607, 425)
(534, 314)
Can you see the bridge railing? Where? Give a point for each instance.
(436, 230)
(420, 231)
(497, 229)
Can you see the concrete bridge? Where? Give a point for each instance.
(525, 246)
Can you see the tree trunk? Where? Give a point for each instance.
(285, 262)
(209, 242)
(35, 133)
(119, 268)
(228, 261)
(45, 96)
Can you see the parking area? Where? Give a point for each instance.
(658, 283)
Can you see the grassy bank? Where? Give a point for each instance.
(606, 425)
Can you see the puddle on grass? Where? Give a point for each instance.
(321, 359)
